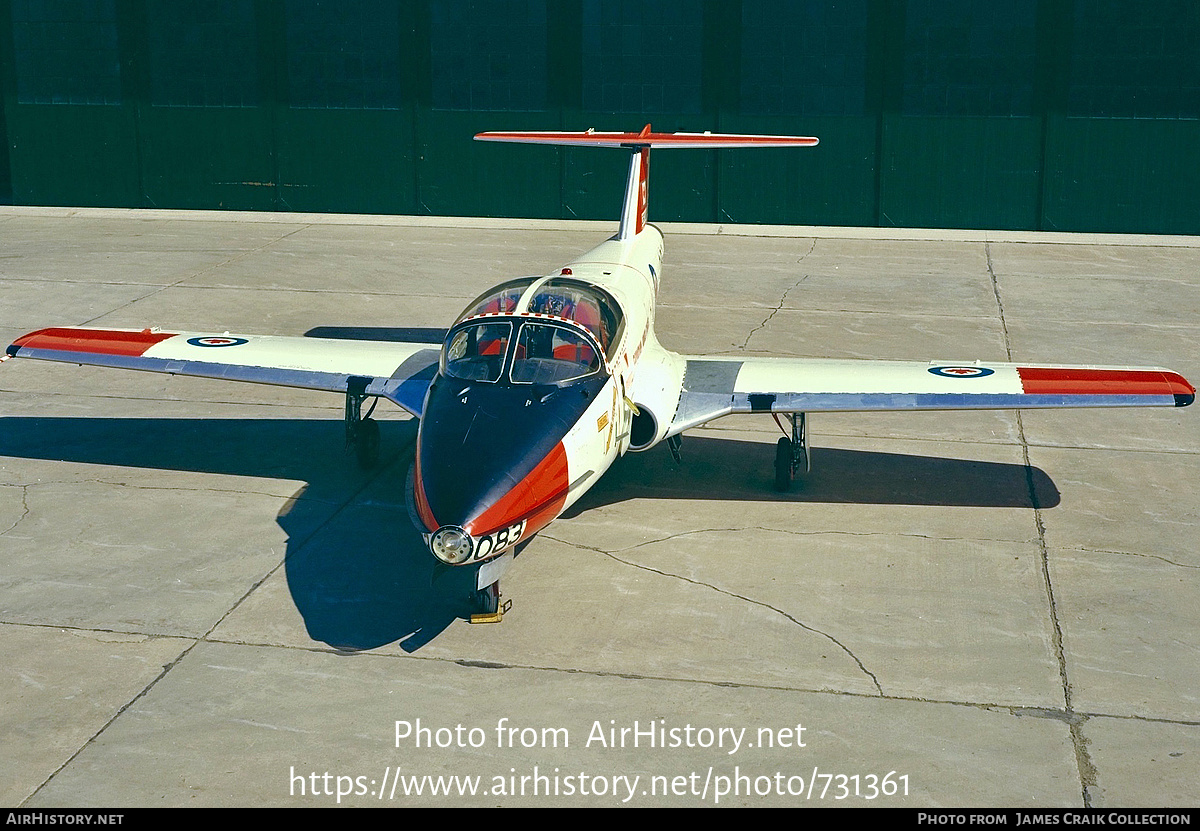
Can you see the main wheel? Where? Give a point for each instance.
(366, 442)
(783, 464)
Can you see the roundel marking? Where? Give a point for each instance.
(217, 340)
(961, 371)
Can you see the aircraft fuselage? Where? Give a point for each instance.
(536, 396)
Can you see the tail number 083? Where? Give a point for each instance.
(497, 541)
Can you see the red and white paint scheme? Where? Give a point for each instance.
(543, 382)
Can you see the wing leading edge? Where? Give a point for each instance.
(400, 372)
(713, 387)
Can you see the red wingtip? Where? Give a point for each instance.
(95, 341)
(1087, 381)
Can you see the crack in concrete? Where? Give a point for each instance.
(1065, 716)
(837, 532)
(24, 508)
(296, 545)
(1019, 711)
(782, 299)
(1127, 554)
(901, 534)
(612, 556)
(816, 311)
(1164, 451)
(116, 715)
(119, 484)
(1083, 761)
(862, 667)
(1149, 326)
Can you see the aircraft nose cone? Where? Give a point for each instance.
(491, 461)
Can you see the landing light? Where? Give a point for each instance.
(451, 544)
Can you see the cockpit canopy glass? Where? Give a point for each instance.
(549, 354)
(502, 299)
(477, 352)
(544, 353)
(588, 306)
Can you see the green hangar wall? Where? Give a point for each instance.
(1075, 115)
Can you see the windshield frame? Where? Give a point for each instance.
(471, 328)
(516, 326)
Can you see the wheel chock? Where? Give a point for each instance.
(492, 617)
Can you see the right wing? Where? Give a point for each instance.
(400, 372)
(717, 386)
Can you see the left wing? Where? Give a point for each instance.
(400, 372)
(713, 387)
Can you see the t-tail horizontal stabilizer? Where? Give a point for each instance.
(633, 209)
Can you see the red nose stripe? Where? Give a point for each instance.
(537, 498)
(96, 341)
(423, 510)
(1102, 382)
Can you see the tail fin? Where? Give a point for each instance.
(633, 209)
(637, 194)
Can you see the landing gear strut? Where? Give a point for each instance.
(673, 443)
(791, 454)
(362, 432)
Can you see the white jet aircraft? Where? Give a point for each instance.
(542, 382)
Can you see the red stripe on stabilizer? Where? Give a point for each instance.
(1049, 381)
(537, 499)
(96, 341)
(595, 139)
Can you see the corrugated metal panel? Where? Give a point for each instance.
(1123, 175)
(960, 172)
(917, 126)
(73, 155)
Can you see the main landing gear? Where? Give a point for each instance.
(673, 443)
(791, 454)
(362, 432)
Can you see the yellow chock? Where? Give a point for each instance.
(492, 617)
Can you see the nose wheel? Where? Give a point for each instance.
(362, 431)
(488, 607)
(792, 454)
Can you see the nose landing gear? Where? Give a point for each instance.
(792, 454)
(487, 600)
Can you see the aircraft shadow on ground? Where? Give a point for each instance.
(357, 570)
(359, 573)
(734, 470)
